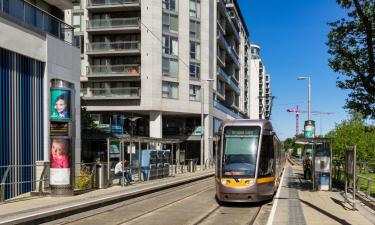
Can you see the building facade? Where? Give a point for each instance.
(35, 51)
(260, 102)
(151, 68)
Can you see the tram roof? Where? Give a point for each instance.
(264, 124)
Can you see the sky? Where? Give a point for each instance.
(292, 36)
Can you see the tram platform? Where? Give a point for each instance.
(36, 210)
(295, 204)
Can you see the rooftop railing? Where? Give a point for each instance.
(113, 23)
(36, 19)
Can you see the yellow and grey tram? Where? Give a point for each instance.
(249, 162)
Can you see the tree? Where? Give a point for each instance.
(87, 122)
(353, 132)
(351, 46)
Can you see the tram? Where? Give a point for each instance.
(249, 161)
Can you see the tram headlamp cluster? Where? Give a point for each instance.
(225, 182)
(249, 182)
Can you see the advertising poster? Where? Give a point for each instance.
(60, 105)
(60, 162)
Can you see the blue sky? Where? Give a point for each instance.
(292, 35)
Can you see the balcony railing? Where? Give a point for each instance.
(110, 2)
(122, 93)
(113, 46)
(223, 108)
(124, 70)
(221, 73)
(113, 23)
(36, 19)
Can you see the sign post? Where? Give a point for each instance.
(350, 170)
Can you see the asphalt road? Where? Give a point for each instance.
(193, 203)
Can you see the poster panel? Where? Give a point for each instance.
(60, 161)
(60, 105)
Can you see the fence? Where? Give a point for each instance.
(87, 176)
(364, 180)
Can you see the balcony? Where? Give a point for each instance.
(221, 73)
(112, 5)
(35, 19)
(224, 44)
(117, 48)
(112, 93)
(114, 71)
(117, 25)
(224, 109)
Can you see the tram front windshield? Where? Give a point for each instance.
(240, 151)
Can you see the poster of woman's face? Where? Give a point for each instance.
(60, 105)
(59, 153)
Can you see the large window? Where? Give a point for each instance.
(77, 23)
(194, 92)
(170, 45)
(195, 8)
(194, 71)
(170, 67)
(195, 50)
(195, 29)
(169, 90)
(266, 158)
(170, 23)
(170, 5)
(240, 151)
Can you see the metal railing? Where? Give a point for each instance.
(130, 69)
(110, 2)
(122, 92)
(113, 46)
(37, 19)
(19, 179)
(113, 23)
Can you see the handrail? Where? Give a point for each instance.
(34, 16)
(2, 185)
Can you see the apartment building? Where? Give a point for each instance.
(260, 86)
(150, 68)
(37, 61)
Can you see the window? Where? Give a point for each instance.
(170, 67)
(195, 29)
(169, 90)
(170, 45)
(194, 70)
(170, 23)
(195, 50)
(77, 23)
(195, 8)
(170, 5)
(266, 158)
(220, 87)
(194, 92)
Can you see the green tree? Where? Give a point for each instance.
(353, 132)
(351, 46)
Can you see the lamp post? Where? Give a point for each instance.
(309, 95)
(202, 121)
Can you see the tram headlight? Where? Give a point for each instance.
(249, 182)
(225, 182)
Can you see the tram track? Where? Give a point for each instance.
(128, 203)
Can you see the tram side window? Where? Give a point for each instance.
(267, 157)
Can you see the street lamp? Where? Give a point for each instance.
(309, 96)
(202, 120)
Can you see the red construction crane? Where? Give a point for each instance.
(298, 111)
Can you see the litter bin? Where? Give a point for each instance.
(192, 165)
(101, 176)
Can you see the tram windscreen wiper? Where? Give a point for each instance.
(236, 179)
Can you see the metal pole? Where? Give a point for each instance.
(309, 101)
(354, 174)
(202, 126)
(108, 169)
(123, 162)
